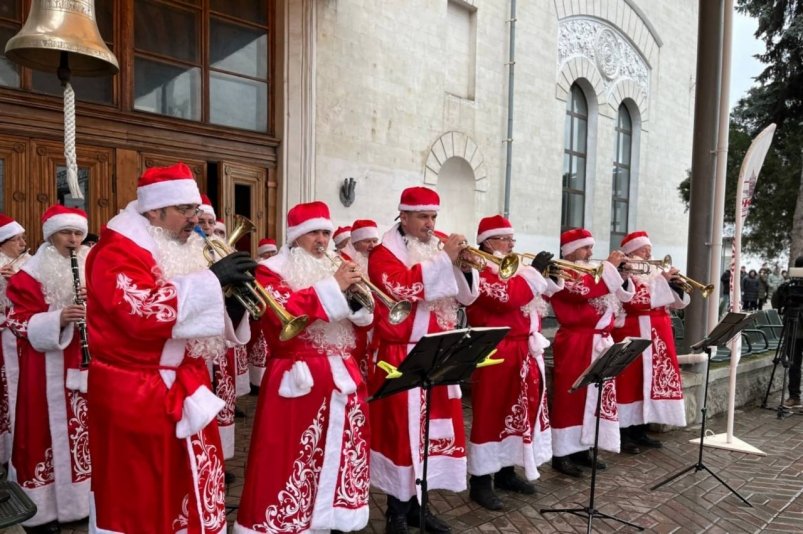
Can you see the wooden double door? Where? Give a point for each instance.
(33, 176)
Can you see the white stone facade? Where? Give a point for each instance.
(378, 91)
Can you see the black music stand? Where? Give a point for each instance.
(604, 368)
(729, 326)
(439, 359)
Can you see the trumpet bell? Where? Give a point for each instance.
(399, 312)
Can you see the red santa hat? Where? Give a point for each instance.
(266, 245)
(493, 226)
(309, 217)
(58, 217)
(634, 241)
(574, 239)
(419, 199)
(159, 187)
(364, 229)
(341, 234)
(221, 225)
(206, 206)
(9, 228)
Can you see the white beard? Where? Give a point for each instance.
(362, 262)
(445, 309)
(5, 260)
(175, 258)
(55, 275)
(304, 270)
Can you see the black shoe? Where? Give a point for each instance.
(565, 465)
(507, 479)
(229, 477)
(584, 458)
(48, 528)
(482, 493)
(238, 413)
(628, 446)
(433, 524)
(254, 390)
(396, 524)
(638, 434)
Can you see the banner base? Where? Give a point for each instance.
(720, 441)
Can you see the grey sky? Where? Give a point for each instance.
(744, 67)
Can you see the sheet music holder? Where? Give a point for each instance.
(606, 367)
(443, 358)
(729, 326)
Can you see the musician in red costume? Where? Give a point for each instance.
(414, 265)
(157, 313)
(307, 468)
(586, 310)
(341, 237)
(50, 458)
(650, 389)
(266, 248)
(510, 422)
(12, 257)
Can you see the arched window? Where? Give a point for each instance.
(620, 197)
(575, 142)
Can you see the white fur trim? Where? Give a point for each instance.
(454, 391)
(10, 230)
(635, 244)
(492, 233)
(46, 334)
(631, 414)
(614, 281)
(93, 519)
(553, 287)
(266, 248)
(77, 379)
(323, 506)
(366, 232)
(296, 382)
(310, 225)
(332, 299)
(342, 236)
(134, 226)
(441, 429)
(200, 306)
(64, 221)
(362, 317)
(199, 410)
(571, 246)
(419, 207)
(467, 294)
(226, 439)
(206, 208)
(240, 335)
(168, 193)
(660, 292)
(439, 278)
(443, 472)
(488, 458)
(341, 376)
(534, 279)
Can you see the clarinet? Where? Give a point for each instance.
(76, 281)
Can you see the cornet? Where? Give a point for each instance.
(556, 268)
(636, 267)
(252, 295)
(364, 293)
(508, 265)
(689, 286)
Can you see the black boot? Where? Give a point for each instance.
(626, 443)
(584, 458)
(482, 493)
(396, 516)
(638, 434)
(48, 528)
(565, 465)
(432, 523)
(507, 479)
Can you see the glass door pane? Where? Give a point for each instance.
(63, 191)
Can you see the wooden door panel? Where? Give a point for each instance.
(243, 190)
(197, 166)
(17, 194)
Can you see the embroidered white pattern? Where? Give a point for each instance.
(5, 419)
(517, 423)
(281, 296)
(642, 296)
(43, 472)
(78, 429)
(241, 359)
(145, 303)
(183, 519)
(444, 446)
(258, 355)
(212, 487)
(225, 390)
(293, 512)
(20, 328)
(332, 339)
(577, 286)
(353, 479)
(665, 379)
(608, 407)
(496, 290)
(445, 311)
(403, 292)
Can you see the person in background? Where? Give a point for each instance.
(750, 289)
(782, 302)
(266, 248)
(774, 280)
(90, 240)
(341, 237)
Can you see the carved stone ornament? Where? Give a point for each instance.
(614, 56)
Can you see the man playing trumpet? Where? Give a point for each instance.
(510, 424)
(410, 264)
(649, 390)
(585, 310)
(307, 465)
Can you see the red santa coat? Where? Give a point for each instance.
(434, 287)
(258, 354)
(50, 458)
(155, 444)
(586, 311)
(364, 335)
(510, 420)
(9, 368)
(650, 389)
(307, 465)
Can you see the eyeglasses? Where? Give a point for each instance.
(188, 210)
(504, 239)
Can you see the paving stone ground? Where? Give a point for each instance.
(696, 502)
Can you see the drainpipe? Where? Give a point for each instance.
(509, 139)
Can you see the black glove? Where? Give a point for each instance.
(234, 309)
(237, 267)
(676, 287)
(542, 260)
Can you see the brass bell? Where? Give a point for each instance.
(56, 27)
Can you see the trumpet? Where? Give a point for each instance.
(689, 286)
(252, 295)
(364, 292)
(556, 268)
(508, 265)
(636, 267)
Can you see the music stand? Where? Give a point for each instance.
(729, 326)
(439, 359)
(606, 367)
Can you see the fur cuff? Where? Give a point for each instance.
(199, 410)
(296, 382)
(332, 299)
(660, 293)
(362, 317)
(437, 275)
(46, 334)
(534, 279)
(77, 379)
